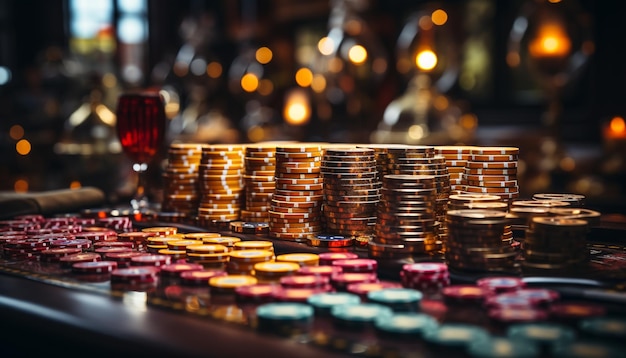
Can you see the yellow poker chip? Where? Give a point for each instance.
(302, 259)
(182, 244)
(251, 256)
(229, 282)
(489, 177)
(454, 149)
(206, 249)
(299, 148)
(273, 267)
(228, 241)
(254, 245)
(223, 147)
(175, 254)
(495, 150)
(161, 230)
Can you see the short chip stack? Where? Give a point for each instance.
(260, 166)
(406, 225)
(476, 243)
(180, 179)
(574, 200)
(221, 184)
(555, 243)
(351, 191)
(493, 170)
(295, 209)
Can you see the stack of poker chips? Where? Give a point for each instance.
(428, 277)
(180, 179)
(295, 210)
(493, 170)
(574, 200)
(221, 185)
(456, 160)
(351, 191)
(406, 225)
(260, 165)
(476, 243)
(555, 243)
(522, 211)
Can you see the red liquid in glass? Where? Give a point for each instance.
(140, 125)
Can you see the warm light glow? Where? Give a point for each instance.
(441, 102)
(304, 77)
(20, 186)
(16, 132)
(425, 23)
(297, 109)
(106, 114)
(426, 60)
(513, 59)
(567, 164)
(264, 55)
(439, 17)
(551, 41)
(416, 132)
(379, 66)
(249, 82)
(23, 147)
(75, 184)
(554, 1)
(214, 69)
(326, 46)
(468, 121)
(256, 134)
(617, 125)
(357, 54)
(335, 65)
(319, 83)
(109, 80)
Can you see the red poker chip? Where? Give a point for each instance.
(75, 243)
(321, 270)
(94, 267)
(176, 269)
(538, 296)
(501, 284)
(574, 311)
(508, 301)
(108, 249)
(304, 281)
(357, 265)
(341, 281)
(464, 293)
(200, 277)
(37, 231)
(327, 258)
(56, 254)
(123, 258)
(257, 293)
(127, 244)
(425, 268)
(97, 236)
(30, 243)
(136, 274)
(85, 221)
(362, 288)
(517, 314)
(69, 260)
(151, 260)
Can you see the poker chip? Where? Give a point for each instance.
(302, 259)
(199, 277)
(252, 228)
(254, 245)
(341, 281)
(175, 270)
(330, 241)
(122, 258)
(464, 293)
(150, 260)
(257, 293)
(298, 294)
(501, 347)
(455, 335)
(575, 311)
(160, 230)
(356, 265)
(362, 289)
(273, 271)
(398, 299)
(321, 270)
(69, 260)
(302, 281)
(516, 312)
(55, 254)
(585, 349)
(499, 284)
(284, 318)
(94, 267)
(405, 325)
(546, 335)
(323, 302)
(358, 316)
(227, 284)
(537, 296)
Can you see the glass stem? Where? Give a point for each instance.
(140, 200)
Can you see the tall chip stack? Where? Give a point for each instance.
(493, 170)
(221, 185)
(351, 191)
(180, 178)
(406, 223)
(476, 243)
(260, 167)
(295, 210)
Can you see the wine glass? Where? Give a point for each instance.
(140, 129)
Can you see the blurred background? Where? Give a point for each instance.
(545, 75)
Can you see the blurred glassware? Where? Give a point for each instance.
(428, 57)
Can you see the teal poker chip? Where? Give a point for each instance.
(284, 318)
(360, 315)
(398, 299)
(542, 333)
(586, 349)
(456, 335)
(406, 324)
(501, 347)
(324, 302)
(605, 327)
